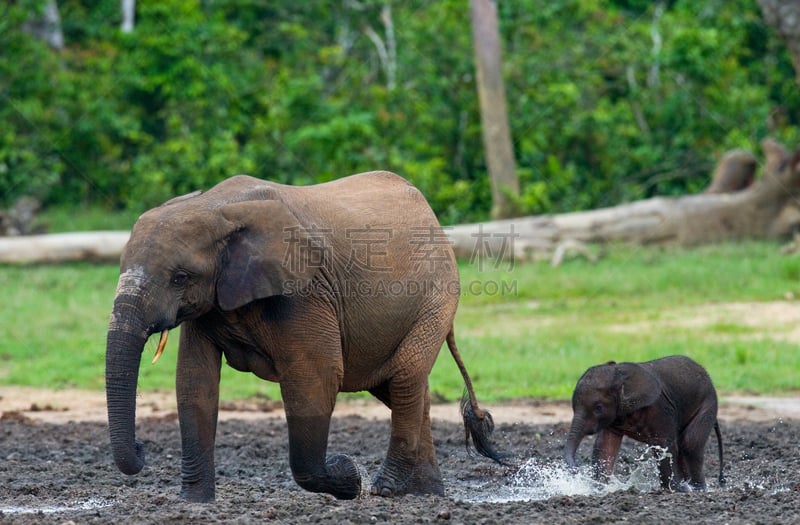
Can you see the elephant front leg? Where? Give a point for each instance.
(311, 370)
(197, 387)
(667, 467)
(308, 415)
(692, 444)
(604, 453)
(665, 473)
(338, 475)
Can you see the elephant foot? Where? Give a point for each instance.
(344, 476)
(686, 486)
(425, 479)
(197, 493)
(698, 485)
(678, 484)
(384, 487)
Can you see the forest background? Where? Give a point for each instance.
(609, 101)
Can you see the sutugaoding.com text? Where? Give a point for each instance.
(399, 288)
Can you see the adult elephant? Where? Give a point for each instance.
(344, 286)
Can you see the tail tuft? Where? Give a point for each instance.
(480, 428)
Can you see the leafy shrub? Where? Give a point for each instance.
(608, 102)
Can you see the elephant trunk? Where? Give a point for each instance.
(574, 439)
(124, 347)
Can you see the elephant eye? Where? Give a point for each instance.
(180, 278)
(598, 408)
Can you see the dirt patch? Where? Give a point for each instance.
(62, 406)
(778, 320)
(60, 472)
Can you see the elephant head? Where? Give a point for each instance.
(191, 255)
(606, 394)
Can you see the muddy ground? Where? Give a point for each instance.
(62, 472)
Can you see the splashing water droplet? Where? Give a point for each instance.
(366, 482)
(537, 480)
(90, 504)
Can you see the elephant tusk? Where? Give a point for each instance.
(162, 342)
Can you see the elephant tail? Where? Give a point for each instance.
(478, 423)
(722, 479)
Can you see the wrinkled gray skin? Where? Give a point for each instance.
(345, 286)
(668, 402)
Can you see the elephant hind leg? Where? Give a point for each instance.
(410, 466)
(696, 476)
(427, 479)
(691, 467)
(680, 472)
(693, 445)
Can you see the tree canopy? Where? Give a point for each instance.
(608, 101)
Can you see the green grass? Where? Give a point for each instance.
(70, 219)
(529, 331)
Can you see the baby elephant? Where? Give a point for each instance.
(668, 402)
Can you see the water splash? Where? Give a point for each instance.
(366, 481)
(89, 504)
(537, 480)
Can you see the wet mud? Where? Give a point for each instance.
(62, 473)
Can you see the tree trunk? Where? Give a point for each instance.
(765, 209)
(46, 26)
(128, 15)
(784, 17)
(494, 109)
(387, 51)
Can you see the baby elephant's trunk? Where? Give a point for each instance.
(478, 423)
(574, 439)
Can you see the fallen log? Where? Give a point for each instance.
(765, 209)
(104, 246)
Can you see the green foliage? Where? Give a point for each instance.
(608, 101)
(29, 109)
(56, 219)
(602, 115)
(526, 331)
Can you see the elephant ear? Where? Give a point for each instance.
(637, 387)
(264, 254)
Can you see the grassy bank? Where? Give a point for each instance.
(526, 331)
